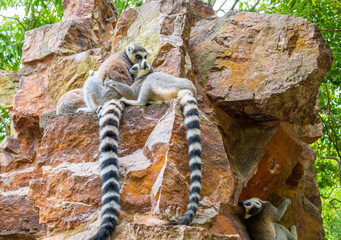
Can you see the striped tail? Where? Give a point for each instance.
(109, 120)
(192, 122)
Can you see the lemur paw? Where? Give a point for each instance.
(108, 82)
(288, 201)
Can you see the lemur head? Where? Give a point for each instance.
(136, 53)
(252, 207)
(140, 69)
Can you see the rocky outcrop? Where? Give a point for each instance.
(268, 79)
(257, 77)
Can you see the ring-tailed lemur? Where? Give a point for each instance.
(115, 67)
(109, 120)
(109, 117)
(162, 87)
(261, 217)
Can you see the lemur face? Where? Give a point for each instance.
(252, 207)
(136, 53)
(140, 69)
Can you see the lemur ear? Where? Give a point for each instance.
(149, 52)
(130, 48)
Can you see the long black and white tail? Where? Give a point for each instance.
(190, 111)
(109, 120)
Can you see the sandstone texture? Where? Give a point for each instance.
(247, 75)
(9, 84)
(257, 78)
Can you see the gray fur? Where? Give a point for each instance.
(261, 217)
(139, 72)
(70, 101)
(157, 87)
(95, 93)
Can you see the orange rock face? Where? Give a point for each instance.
(100, 15)
(257, 78)
(245, 74)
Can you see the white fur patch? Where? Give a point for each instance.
(109, 205)
(110, 194)
(195, 184)
(193, 132)
(110, 168)
(110, 181)
(196, 172)
(107, 215)
(194, 160)
(194, 146)
(105, 155)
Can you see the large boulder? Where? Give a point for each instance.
(266, 67)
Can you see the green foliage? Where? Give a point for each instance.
(123, 4)
(4, 123)
(326, 15)
(34, 13)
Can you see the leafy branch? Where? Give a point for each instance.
(17, 19)
(3, 121)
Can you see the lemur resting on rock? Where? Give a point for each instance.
(162, 87)
(116, 67)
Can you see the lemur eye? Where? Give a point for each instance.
(248, 204)
(138, 57)
(134, 69)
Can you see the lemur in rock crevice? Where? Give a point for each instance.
(162, 87)
(261, 217)
(109, 120)
(116, 67)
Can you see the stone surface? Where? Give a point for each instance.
(100, 15)
(9, 84)
(18, 219)
(63, 38)
(140, 232)
(264, 162)
(124, 22)
(200, 10)
(46, 82)
(62, 175)
(263, 66)
(70, 72)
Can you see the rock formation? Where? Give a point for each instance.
(257, 77)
